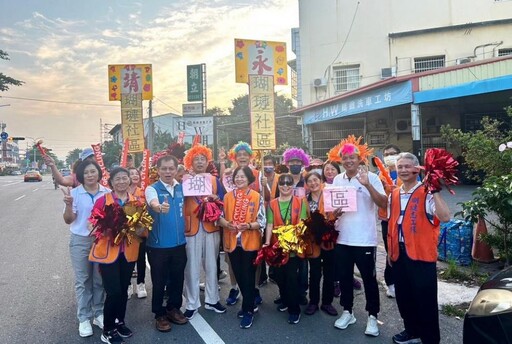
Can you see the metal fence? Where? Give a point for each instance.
(324, 136)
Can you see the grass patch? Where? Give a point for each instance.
(455, 310)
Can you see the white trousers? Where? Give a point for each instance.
(202, 248)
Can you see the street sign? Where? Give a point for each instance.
(192, 109)
(194, 83)
(4, 135)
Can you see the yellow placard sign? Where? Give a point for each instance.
(131, 121)
(261, 103)
(130, 79)
(260, 58)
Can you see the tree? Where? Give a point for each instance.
(73, 156)
(111, 153)
(236, 127)
(161, 140)
(5, 80)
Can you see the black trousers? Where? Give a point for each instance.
(388, 271)
(116, 278)
(416, 297)
(364, 259)
(167, 263)
(323, 265)
(287, 278)
(245, 273)
(141, 262)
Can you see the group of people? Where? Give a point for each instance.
(256, 203)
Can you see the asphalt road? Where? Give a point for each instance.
(37, 303)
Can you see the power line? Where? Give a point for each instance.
(170, 107)
(57, 101)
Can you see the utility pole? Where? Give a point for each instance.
(151, 127)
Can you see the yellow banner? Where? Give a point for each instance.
(260, 58)
(130, 79)
(261, 103)
(131, 121)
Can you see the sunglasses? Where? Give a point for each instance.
(286, 182)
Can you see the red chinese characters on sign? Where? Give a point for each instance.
(259, 64)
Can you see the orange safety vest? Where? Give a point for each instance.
(383, 212)
(420, 233)
(314, 249)
(191, 216)
(273, 189)
(296, 209)
(256, 186)
(139, 193)
(251, 239)
(105, 252)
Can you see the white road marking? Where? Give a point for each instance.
(203, 329)
(17, 199)
(13, 183)
(35, 189)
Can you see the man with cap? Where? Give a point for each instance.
(69, 180)
(357, 241)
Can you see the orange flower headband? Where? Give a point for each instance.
(348, 146)
(196, 150)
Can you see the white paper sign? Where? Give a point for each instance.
(197, 185)
(227, 181)
(344, 197)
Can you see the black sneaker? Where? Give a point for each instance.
(282, 308)
(240, 313)
(189, 313)
(123, 331)
(112, 337)
(217, 308)
(293, 318)
(405, 338)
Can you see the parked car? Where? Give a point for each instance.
(16, 173)
(33, 175)
(489, 317)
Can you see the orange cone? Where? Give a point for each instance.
(481, 252)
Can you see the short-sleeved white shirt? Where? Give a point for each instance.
(359, 228)
(83, 203)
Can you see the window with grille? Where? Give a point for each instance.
(346, 78)
(506, 51)
(422, 64)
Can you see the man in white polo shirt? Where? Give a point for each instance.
(357, 241)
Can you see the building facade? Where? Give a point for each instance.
(394, 71)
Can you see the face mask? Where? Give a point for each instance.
(329, 180)
(295, 169)
(268, 169)
(390, 160)
(317, 170)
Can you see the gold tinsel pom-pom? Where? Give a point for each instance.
(291, 237)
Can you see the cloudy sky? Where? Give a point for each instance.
(61, 50)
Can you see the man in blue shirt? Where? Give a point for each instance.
(166, 244)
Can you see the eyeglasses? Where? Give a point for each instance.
(286, 182)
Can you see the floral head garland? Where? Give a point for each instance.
(295, 153)
(196, 150)
(240, 146)
(349, 146)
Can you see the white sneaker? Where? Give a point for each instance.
(130, 291)
(141, 291)
(372, 328)
(202, 286)
(346, 319)
(390, 291)
(98, 321)
(85, 329)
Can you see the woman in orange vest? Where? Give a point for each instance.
(116, 254)
(244, 218)
(287, 210)
(320, 257)
(413, 234)
(136, 191)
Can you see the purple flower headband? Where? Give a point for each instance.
(296, 154)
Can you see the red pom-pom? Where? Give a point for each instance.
(209, 210)
(273, 255)
(440, 169)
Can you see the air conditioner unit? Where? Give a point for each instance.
(402, 126)
(387, 72)
(463, 60)
(320, 82)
